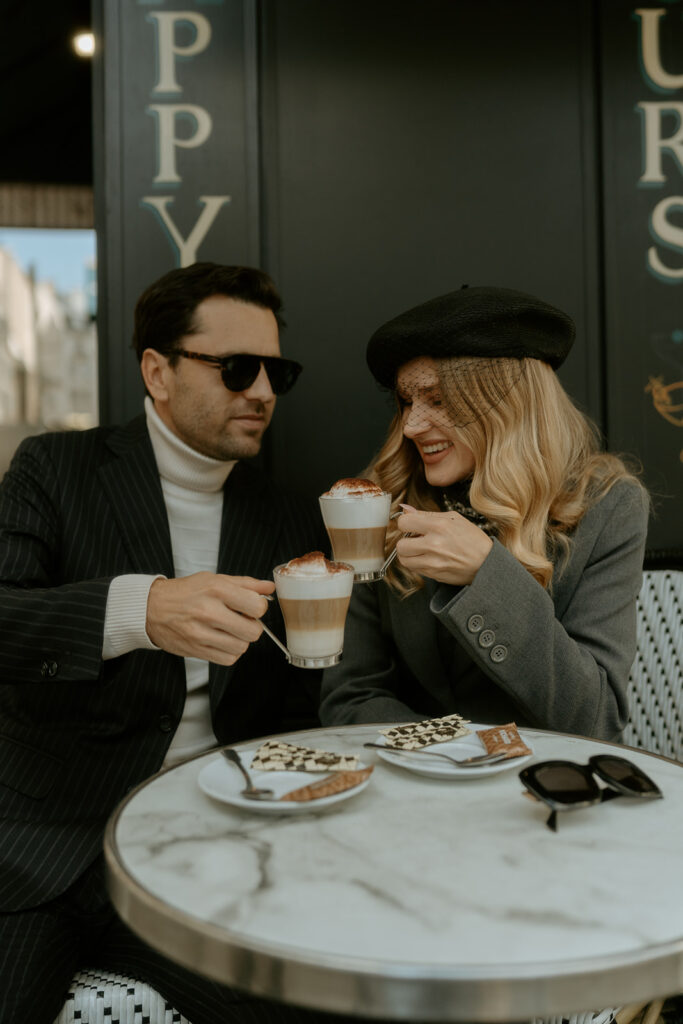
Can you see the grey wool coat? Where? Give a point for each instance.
(503, 648)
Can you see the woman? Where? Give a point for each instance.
(520, 546)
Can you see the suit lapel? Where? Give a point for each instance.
(250, 529)
(250, 525)
(131, 480)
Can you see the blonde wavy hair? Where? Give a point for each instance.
(537, 462)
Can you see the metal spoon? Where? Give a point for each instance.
(250, 790)
(467, 762)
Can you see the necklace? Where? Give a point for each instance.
(457, 499)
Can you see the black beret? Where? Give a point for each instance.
(482, 321)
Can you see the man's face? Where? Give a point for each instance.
(194, 402)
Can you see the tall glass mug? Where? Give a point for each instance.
(356, 514)
(314, 596)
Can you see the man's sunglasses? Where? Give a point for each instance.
(566, 786)
(241, 370)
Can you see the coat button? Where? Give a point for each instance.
(165, 723)
(475, 623)
(498, 653)
(486, 638)
(49, 669)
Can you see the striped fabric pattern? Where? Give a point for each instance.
(77, 733)
(656, 680)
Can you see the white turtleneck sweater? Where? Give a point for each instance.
(192, 485)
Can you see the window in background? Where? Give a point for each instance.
(48, 340)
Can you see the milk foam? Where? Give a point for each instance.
(313, 576)
(312, 564)
(354, 487)
(346, 512)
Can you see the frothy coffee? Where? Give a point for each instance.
(314, 595)
(356, 512)
(354, 487)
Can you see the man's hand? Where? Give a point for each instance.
(446, 546)
(206, 615)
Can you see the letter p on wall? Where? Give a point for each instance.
(167, 141)
(166, 24)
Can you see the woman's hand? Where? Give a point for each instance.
(447, 547)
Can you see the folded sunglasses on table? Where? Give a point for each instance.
(567, 786)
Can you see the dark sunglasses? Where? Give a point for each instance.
(566, 786)
(241, 370)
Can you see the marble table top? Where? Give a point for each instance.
(418, 898)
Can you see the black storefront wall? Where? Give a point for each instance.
(176, 159)
(375, 155)
(409, 149)
(642, 145)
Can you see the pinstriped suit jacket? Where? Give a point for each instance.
(77, 733)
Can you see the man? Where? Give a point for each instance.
(135, 563)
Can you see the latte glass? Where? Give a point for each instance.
(357, 526)
(314, 608)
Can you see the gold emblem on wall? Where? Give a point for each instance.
(667, 400)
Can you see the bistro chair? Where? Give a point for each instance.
(96, 996)
(656, 680)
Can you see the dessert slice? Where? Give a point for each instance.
(275, 755)
(328, 786)
(414, 735)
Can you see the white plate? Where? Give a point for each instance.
(224, 781)
(464, 746)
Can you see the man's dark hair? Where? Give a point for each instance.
(165, 312)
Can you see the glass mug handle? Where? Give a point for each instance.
(387, 562)
(276, 640)
(389, 559)
(280, 644)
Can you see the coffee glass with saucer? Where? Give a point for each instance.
(314, 595)
(356, 514)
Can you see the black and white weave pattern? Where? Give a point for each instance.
(656, 680)
(602, 1017)
(99, 996)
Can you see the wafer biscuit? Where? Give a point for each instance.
(414, 735)
(274, 755)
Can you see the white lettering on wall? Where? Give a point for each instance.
(187, 247)
(168, 141)
(650, 49)
(668, 234)
(168, 49)
(656, 144)
(179, 126)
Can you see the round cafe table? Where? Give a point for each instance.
(417, 898)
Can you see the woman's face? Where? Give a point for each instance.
(426, 423)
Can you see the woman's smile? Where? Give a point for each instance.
(445, 457)
(433, 451)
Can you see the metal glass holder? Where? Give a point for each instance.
(368, 577)
(326, 661)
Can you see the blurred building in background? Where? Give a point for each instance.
(48, 356)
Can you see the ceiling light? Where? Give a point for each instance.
(84, 44)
